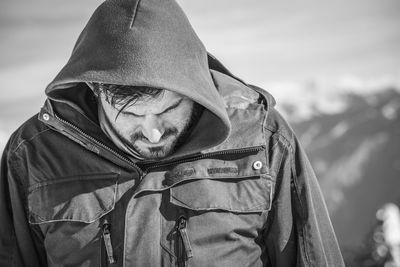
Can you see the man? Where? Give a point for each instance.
(148, 152)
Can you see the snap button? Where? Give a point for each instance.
(257, 165)
(46, 116)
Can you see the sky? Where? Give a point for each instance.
(273, 44)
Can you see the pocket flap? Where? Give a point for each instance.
(244, 195)
(83, 198)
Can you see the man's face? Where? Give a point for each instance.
(152, 127)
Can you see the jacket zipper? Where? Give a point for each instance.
(98, 142)
(206, 155)
(184, 249)
(106, 234)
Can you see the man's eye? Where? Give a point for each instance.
(167, 111)
(129, 114)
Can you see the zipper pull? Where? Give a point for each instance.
(181, 227)
(107, 241)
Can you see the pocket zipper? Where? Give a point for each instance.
(183, 244)
(107, 241)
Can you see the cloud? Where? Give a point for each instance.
(27, 80)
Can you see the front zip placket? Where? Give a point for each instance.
(90, 143)
(184, 249)
(203, 156)
(118, 155)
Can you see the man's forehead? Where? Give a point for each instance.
(157, 104)
(165, 97)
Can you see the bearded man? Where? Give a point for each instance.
(149, 152)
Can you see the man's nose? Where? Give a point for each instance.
(152, 128)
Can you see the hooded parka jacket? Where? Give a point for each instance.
(239, 192)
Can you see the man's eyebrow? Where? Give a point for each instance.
(164, 111)
(172, 106)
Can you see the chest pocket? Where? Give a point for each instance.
(237, 195)
(84, 198)
(70, 210)
(225, 204)
(237, 183)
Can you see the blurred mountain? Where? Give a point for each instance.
(355, 153)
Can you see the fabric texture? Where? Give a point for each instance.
(239, 192)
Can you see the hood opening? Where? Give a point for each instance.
(144, 43)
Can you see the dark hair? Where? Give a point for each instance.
(125, 95)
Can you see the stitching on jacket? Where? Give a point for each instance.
(134, 13)
(30, 139)
(266, 175)
(12, 254)
(258, 208)
(92, 176)
(279, 166)
(303, 229)
(21, 189)
(96, 216)
(164, 246)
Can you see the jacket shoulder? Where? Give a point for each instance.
(276, 125)
(29, 130)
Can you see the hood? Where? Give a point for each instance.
(145, 43)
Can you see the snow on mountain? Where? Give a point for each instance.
(302, 101)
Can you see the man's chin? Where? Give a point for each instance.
(154, 152)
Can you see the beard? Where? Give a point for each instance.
(172, 138)
(169, 138)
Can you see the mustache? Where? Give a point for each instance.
(167, 133)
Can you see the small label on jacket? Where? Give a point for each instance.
(223, 170)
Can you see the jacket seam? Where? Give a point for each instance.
(303, 229)
(164, 246)
(279, 167)
(11, 258)
(30, 139)
(72, 178)
(257, 208)
(285, 140)
(12, 254)
(21, 188)
(275, 131)
(275, 172)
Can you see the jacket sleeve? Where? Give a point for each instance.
(20, 245)
(299, 231)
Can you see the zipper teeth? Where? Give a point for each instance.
(233, 151)
(98, 142)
